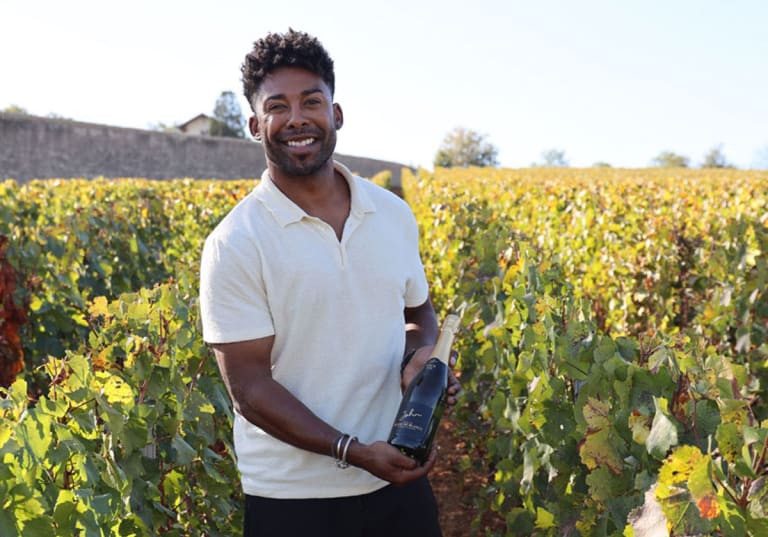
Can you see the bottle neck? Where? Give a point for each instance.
(442, 350)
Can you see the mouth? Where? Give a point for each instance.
(302, 142)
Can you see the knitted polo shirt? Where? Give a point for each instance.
(335, 309)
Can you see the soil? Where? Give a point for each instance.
(456, 489)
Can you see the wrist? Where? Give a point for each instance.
(357, 454)
(340, 450)
(407, 359)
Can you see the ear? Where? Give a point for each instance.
(338, 115)
(253, 126)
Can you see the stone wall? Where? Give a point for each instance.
(39, 148)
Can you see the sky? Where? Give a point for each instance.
(616, 81)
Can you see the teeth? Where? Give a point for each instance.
(300, 143)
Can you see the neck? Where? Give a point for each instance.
(311, 192)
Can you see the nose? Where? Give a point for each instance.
(297, 118)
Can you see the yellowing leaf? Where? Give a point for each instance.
(677, 469)
(99, 307)
(640, 425)
(596, 414)
(117, 391)
(5, 432)
(599, 449)
(511, 274)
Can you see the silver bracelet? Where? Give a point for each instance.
(336, 446)
(341, 462)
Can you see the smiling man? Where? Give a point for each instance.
(314, 298)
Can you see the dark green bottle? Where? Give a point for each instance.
(418, 417)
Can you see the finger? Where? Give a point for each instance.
(406, 463)
(431, 460)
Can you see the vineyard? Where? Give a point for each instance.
(613, 353)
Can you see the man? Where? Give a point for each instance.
(312, 291)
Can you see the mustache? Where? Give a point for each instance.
(298, 133)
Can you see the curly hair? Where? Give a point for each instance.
(292, 49)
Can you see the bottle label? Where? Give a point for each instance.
(414, 418)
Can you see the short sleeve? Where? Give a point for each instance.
(233, 299)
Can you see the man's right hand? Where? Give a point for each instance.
(388, 463)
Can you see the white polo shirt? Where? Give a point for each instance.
(336, 311)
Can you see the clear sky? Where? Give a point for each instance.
(603, 80)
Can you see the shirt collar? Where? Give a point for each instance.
(287, 212)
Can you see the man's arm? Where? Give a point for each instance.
(420, 326)
(246, 369)
(421, 330)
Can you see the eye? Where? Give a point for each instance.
(275, 107)
(312, 101)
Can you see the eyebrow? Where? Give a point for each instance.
(304, 93)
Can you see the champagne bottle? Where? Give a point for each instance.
(415, 425)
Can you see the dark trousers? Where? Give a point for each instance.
(408, 511)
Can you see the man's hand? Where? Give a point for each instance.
(420, 358)
(388, 463)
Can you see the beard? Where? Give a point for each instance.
(304, 165)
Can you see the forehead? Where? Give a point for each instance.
(288, 81)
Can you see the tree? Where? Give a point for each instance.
(554, 158)
(160, 126)
(15, 109)
(228, 119)
(602, 164)
(464, 147)
(668, 159)
(715, 158)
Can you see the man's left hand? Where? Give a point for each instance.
(420, 358)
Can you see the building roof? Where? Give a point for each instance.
(187, 123)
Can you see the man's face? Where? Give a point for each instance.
(296, 120)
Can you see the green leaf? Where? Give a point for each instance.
(755, 526)
(663, 357)
(732, 520)
(629, 349)
(57, 408)
(7, 523)
(729, 441)
(604, 485)
(34, 432)
(663, 433)
(544, 519)
(114, 476)
(605, 350)
(66, 509)
(184, 453)
(707, 417)
(40, 526)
